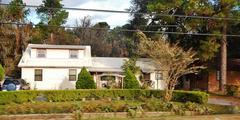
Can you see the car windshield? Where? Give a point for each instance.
(7, 81)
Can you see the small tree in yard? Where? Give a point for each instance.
(175, 61)
(85, 80)
(1, 73)
(130, 81)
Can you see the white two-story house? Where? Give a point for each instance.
(54, 67)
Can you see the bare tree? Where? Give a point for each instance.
(174, 60)
(82, 30)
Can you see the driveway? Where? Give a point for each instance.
(223, 100)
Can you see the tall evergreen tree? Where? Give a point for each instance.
(52, 17)
(225, 8)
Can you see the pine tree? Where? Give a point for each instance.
(130, 80)
(55, 17)
(85, 80)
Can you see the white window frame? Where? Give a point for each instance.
(72, 52)
(41, 53)
(159, 76)
(72, 74)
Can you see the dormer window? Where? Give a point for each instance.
(41, 53)
(73, 54)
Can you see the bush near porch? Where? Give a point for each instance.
(7, 97)
(233, 90)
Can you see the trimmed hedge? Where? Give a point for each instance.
(190, 96)
(7, 97)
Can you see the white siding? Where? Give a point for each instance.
(52, 78)
(57, 54)
(159, 84)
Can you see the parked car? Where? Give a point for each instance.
(11, 84)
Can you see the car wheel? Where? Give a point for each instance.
(11, 87)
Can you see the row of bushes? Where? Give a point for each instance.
(77, 95)
(103, 106)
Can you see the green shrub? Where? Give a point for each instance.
(232, 90)
(8, 97)
(1, 73)
(190, 96)
(130, 81)
(85, 80)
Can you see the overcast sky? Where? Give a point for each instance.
(112, 19)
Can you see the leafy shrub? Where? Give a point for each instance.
(85, 80)
(191, 96)
(1, 73)
(130, 81)
(8, 97)
(232, 90)
(154, 104)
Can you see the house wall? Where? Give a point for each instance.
(52, 79)
(233, 77)
(57, 53)
(159, 84)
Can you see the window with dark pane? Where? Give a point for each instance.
(159, 76)
(41, 53)
(73, 54)
(38, 75)
(72, 74)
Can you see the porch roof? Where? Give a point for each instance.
(114, 64)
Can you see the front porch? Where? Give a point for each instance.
(106, 80)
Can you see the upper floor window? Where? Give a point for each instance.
(73, 54)
(41, 53)
(159, 76)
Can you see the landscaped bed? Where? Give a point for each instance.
(103, 106)
(106, 106)
(106, 103)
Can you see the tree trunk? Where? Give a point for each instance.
(52, 38)
(223, 65)
(168, 92)
(18, 40)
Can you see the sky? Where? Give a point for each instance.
(113, 19)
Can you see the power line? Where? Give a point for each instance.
(129, 12)
(124, 30)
